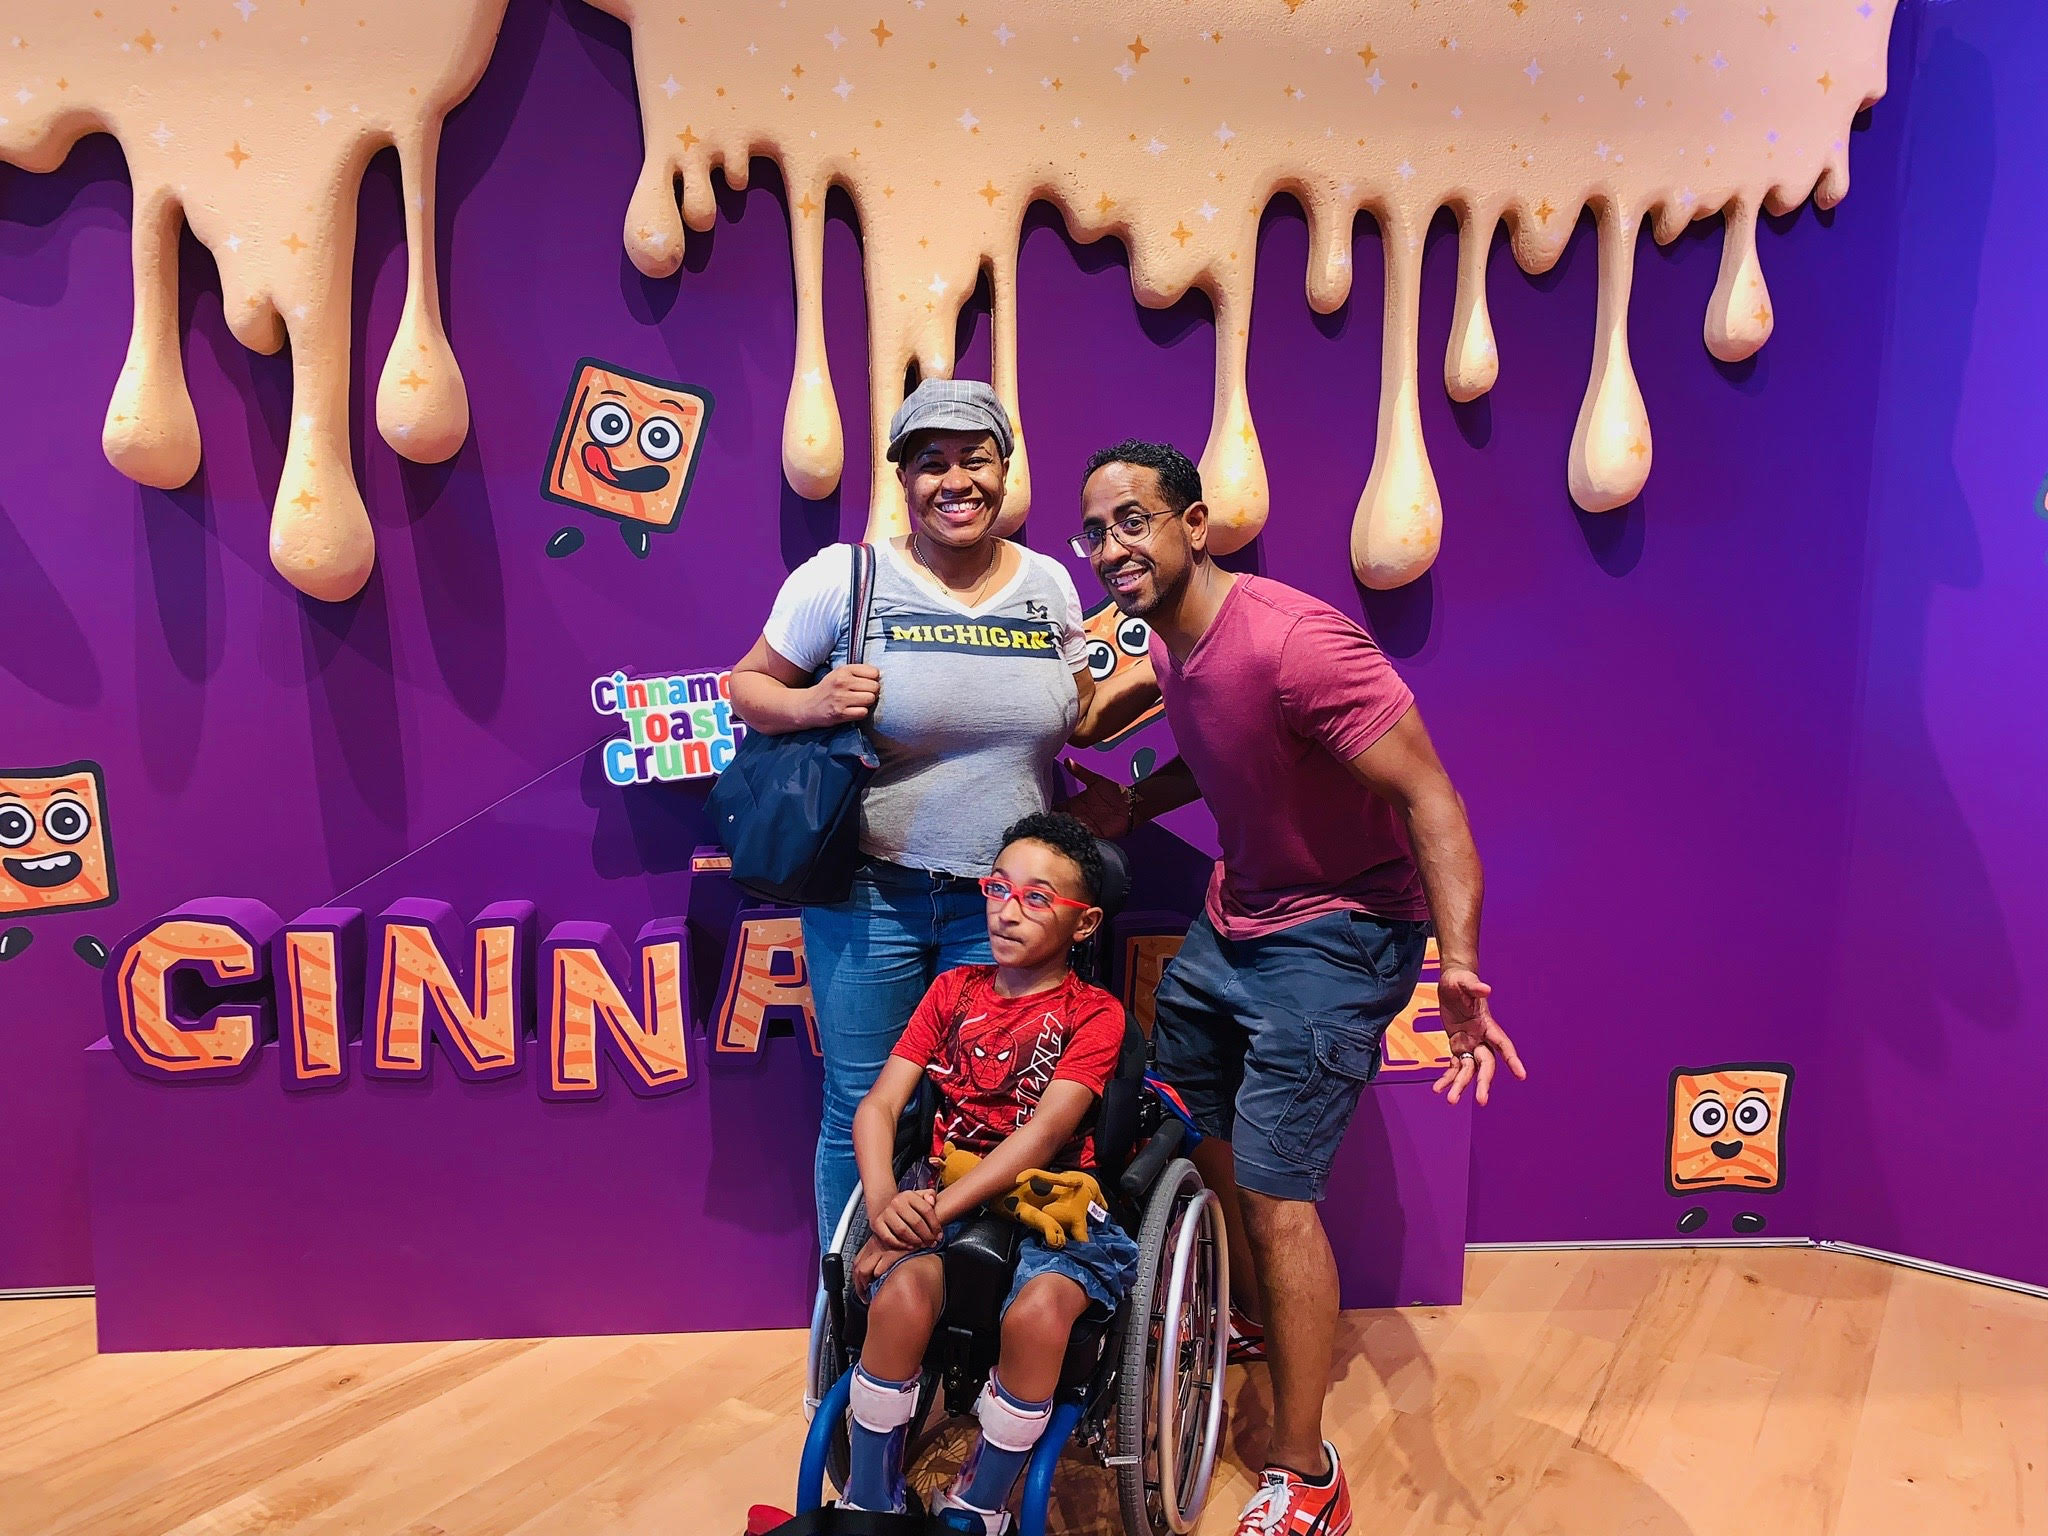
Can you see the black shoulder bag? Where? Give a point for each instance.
(787, 808)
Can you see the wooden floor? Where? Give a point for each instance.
(1760, 1392)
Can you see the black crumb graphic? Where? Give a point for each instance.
(566, 542)
(636, 540)
(1747, 1223)
(90, 950)
(1694, 1218)
(14, 941)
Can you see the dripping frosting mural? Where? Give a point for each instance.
(1171, 124)
(253, 122)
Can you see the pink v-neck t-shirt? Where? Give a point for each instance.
(1268, 709)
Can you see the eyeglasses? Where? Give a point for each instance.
(1132, 529)
(1037, 900)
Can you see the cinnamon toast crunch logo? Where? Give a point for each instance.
(680, 727)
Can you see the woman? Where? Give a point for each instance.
(977, 677)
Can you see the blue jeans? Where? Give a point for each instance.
(872, 957)
(1105, 1266)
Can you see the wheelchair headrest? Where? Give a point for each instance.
(1116, 880)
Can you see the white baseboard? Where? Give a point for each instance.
(1824, 1244)
(1928, 1266)
(1643, 1242)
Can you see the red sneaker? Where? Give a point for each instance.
(1285, 1505)
(1247, 1339)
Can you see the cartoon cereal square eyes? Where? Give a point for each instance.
(626, 446)
(1727, 1127)
(1117, 643)
(54, 853)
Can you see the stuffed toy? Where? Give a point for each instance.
(1054, 1205)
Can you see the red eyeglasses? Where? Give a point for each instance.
(1036, 899)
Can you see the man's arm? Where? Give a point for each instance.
(1032, 1145)
(1111, 809)
(1111, 707)
(1402, 768)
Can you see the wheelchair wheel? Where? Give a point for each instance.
(1169, 1411)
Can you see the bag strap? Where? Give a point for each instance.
(860, 602)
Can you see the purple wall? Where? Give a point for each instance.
(1650, 712)
(1942, 993)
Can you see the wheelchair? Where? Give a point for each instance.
(1142, 1391)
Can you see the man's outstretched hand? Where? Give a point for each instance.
(1477, 1043)
(1103, 805)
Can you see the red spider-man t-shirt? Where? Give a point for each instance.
(992, 1056)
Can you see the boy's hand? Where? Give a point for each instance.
(872, 1256)
(910, 1220)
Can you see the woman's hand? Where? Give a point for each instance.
(843, 694)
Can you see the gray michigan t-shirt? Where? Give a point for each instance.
(975, 706)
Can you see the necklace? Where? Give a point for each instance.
(972, 596)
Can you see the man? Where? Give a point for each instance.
(1342, 840)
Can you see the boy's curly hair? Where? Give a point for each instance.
(1066, 836)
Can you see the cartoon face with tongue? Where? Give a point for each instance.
(54, 853)
(626, 445)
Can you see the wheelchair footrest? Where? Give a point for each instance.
(859, 1522)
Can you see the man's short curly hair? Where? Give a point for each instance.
(1180, 482)
(1066, 836)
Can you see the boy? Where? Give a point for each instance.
(1020, 1052)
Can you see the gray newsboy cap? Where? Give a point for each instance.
(951, 405)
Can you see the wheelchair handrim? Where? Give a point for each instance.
(813, 1394)
(1169, 1417)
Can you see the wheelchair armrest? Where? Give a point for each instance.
(1143, 1170)
(836, 1275)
